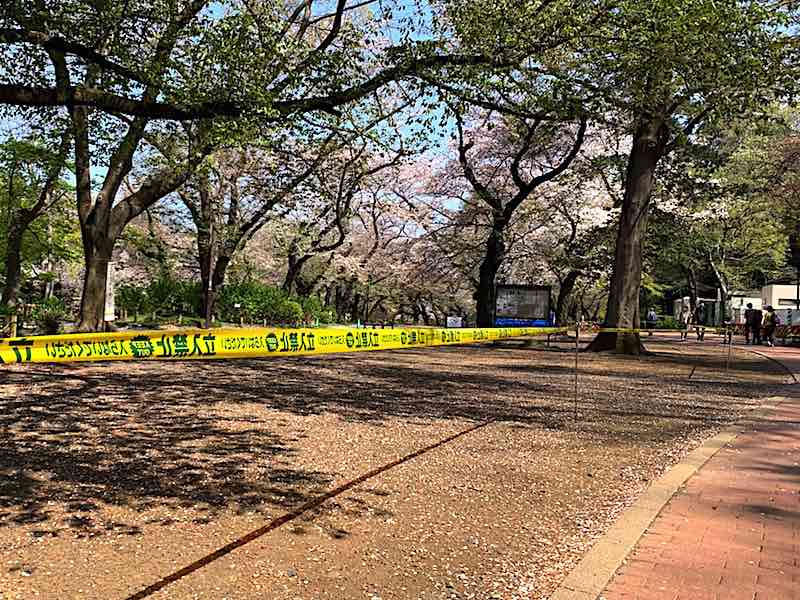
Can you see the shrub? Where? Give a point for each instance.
(245, 295)
(314, 309)
(256, 302)
(288, 311)
(163, 295)
(668, 323)
(173, 296)
(48, 315)
(130, 298)
(326, 315)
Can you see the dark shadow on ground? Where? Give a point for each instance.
(152, 435)
(70, 435)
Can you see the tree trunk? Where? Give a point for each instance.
(564, 292)
(595, 311)
(691, 280)
(205, 261)
(415, 313)
(50, 286)
(13, 266)
(342, 299)
(623, 300)
(722, 284)
(426, 316)
(355, 306)
(371, 310)
(211, 289)
(294, 280)
(327, 298)
(93, 301)
(295, 265)
(485, 295)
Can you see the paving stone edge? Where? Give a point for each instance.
(590, 577)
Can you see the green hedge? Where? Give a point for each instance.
(256, 302)
(161, 296)
(259, 302)
(668, 322)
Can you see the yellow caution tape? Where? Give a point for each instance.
(241, 343)
(628, 330)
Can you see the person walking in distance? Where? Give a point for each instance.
(755, 325)
(770, 323)
(700, 321)
(748, 322)
(652, 320)
(684, 320)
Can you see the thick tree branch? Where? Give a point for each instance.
(72, 96)
(480, 189)
(57, 165)
(59, 44)
(520, 155)
(551, 174)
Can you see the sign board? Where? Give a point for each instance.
(109, 310)
(454, 322)
(522, 306)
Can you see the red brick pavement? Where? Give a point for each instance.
(733, 531)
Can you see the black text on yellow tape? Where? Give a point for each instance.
(241, 343)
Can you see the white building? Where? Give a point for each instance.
(779, 296)
(783, 298)
(711, 307)
(740, 300)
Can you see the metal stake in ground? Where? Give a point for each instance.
(577, 350)
(729, 338)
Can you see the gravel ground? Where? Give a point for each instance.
(113, 476)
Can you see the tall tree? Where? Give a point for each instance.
(666, 70)
(233, 196)
(320, 224)
(191, 61)
(31, 181)
(530, 154)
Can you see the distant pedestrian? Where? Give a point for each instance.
(748, 322)
(684, 320)
(652, 320)
(727, 331)
(771, 321)
(755, 324)
(700, 321)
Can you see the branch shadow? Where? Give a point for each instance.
(203, 435)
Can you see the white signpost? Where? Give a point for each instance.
(109, 310)
(454, 322)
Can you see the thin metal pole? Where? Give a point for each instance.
(577, 350)
(729, 335)
(209, 303)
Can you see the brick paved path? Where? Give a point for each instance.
(733, 532)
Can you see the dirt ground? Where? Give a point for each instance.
(116, 476)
